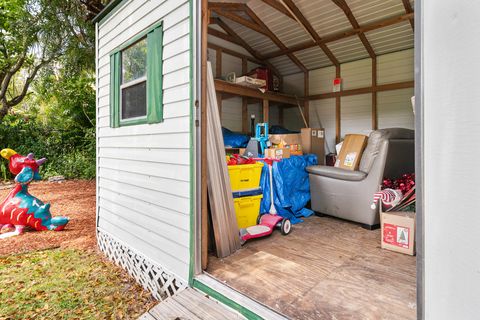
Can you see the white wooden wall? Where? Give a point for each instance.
(451, 134)
(393, 107)
(144, 170)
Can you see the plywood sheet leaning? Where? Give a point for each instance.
(224, 221)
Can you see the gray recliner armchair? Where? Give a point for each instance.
(349, 194)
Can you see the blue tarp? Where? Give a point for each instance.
(234, 140)
(291, 187)
(275, 129)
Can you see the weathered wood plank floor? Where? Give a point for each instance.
(325, 269)
(190, 305)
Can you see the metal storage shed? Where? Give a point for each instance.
(149, 175)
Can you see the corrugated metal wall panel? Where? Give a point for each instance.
(356, 74)
(356, 114)
(392, 38)
(395, 109)
(232, 114)
(321, 80)
(324, 16)
(322, 115)
(313, 58)
(286, 29)
(395, 67)
(294, 84)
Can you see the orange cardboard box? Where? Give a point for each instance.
(351, 152)
(277, 153)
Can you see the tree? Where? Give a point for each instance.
(35, 34)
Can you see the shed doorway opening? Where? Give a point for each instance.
(343, 67)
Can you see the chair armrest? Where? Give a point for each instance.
(336, 173)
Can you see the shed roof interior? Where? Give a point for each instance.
(294, 36)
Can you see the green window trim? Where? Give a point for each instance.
(154, 35)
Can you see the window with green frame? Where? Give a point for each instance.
(136, 80)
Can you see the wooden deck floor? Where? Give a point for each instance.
(190, 305)
(324, 269)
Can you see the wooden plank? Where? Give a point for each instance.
(338, 121)
(247, 47)
(351, 92)
(374, 95)
(169, 309)
(146, 316)
(223, 216)
(306, 103)
(342, 35)
(244, 101)
(238, 19)
(203, 307)
(218, 73)
(266, 110)
(329, 279)
(223, 36)
(409, 9)
(234, 53)
(226, 6)
(227, 87)
(203, 136)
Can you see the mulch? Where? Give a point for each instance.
(72, 198)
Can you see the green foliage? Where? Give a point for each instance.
(56, 119)
(69, 152)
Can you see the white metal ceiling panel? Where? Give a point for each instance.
(313, 58)
(392, 38)
(348, 49)
(256, 40)
(284, 65)
(287, 30)
(368, 11)
(324, 16)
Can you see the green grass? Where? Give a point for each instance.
(67, 284)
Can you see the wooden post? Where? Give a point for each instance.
(306, 105)
(337, 110)
(218, 74)
(374, 95)
(281, 116)
(245, 126)
(266, 110)
(203, 138)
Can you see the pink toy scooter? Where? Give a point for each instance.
(267, 222)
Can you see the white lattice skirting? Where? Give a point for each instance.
(151, 276)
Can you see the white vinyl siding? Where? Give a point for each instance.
(144, 170)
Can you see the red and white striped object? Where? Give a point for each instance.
(389, 197)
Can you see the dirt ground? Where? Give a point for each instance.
(72, 198)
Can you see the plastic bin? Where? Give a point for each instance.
(247, 210)
(245, 176)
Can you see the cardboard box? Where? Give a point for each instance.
(398, 231)
(285, 139)
(277, 153)
(250, 82)
(313, 141)
(351, 152)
